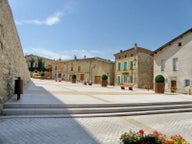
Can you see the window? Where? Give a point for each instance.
(119, 66)
(34, 65)
(131, 79)
(187, 82)
(175, 64)
(162, 64)
(180, 44)
(125, 65)
(71, 68)
(64, 67)
(131, 64)
(118, 80)
(55, 67)
(55, 75)
(79, 68)
(64, 75)
(125, 79)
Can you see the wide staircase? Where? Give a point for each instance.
(94, 110)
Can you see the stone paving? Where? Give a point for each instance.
(100, 130)
(97, 130)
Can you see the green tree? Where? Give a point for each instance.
(32, 61)
(41, 65)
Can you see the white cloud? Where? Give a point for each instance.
(81, 53)
(51, 20)
(67, 54)
(45, 53)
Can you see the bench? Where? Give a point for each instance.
(128, 85)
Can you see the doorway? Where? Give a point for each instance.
(97, 79)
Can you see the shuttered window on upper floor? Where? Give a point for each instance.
(175, 64)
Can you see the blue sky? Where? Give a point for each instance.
(97, 28)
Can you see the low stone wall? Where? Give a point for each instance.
(12, 60)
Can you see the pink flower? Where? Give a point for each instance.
(141, 132)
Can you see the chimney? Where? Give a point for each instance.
(75, 57)
(84, 56)
(135, 46)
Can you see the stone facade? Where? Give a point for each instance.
(87, 69)
(134, 65)
(12, 61)
(60, 69)
(173, 61)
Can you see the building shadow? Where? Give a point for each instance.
(46, 128)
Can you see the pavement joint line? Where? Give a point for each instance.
(75, 92)
(103, 100)
(138, 124)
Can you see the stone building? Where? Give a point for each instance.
(173, 61)
(86, 69)
(32, 62)
(12, 60)
(134, 65)
(60, 69)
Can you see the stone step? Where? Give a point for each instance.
(100, 114)
(10, 105)
(94, 110)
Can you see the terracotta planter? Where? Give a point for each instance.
(73, 80)
(104, 83)
(159, 87)
(173, 89)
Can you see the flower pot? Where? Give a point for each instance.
(73, 80)
(104, 83)
(173, 89)
(159, 87)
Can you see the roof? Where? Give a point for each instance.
(93, 58)
(133, 48)
(82, 59)
(173, 40)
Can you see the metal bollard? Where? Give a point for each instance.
(18, 87)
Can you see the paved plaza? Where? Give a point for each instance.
(88, 130)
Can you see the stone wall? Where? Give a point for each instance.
(12, 60)
(145, 70)
(86, 69)
(179, 48)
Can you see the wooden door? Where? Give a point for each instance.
(81, 77)
(97, 79)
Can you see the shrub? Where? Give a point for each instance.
(42, 74)
(104, 77)
(159, 79)
(74, 76)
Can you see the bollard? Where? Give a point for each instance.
(18, 87)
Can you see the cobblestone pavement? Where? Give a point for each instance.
(100, 130)
(169, 124)
(62, 130)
